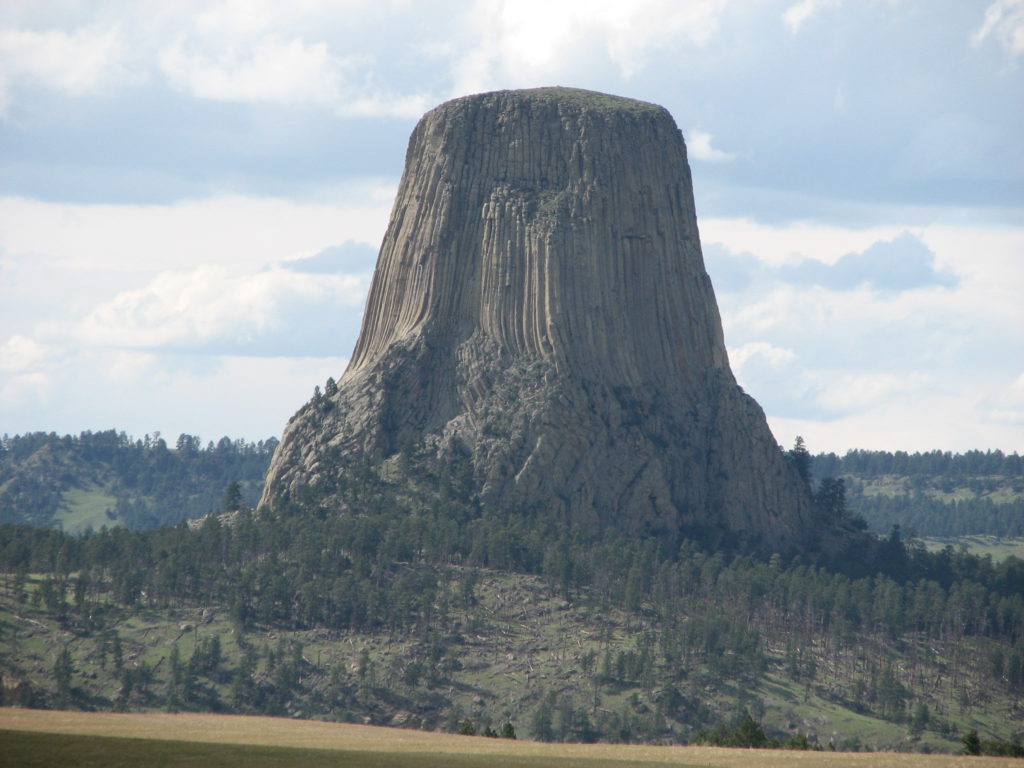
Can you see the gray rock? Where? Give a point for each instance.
(540, 304)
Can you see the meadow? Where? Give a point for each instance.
(30, 738)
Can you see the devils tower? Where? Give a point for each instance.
(540, 306)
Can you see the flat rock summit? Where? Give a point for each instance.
(540, 307)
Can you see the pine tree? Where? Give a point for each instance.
(971, 742)
(801, 459)
(63, 669)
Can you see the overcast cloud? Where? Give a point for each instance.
(192, 196)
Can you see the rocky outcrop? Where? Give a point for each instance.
(540, 304)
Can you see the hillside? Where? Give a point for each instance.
(106, 478)
(414, 607)
(71, 482)
(934, 494)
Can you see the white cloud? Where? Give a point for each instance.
(1004, 20)
(126, 241)
(774, 356)
(921, 421)
(75, 62)
(140, 392)
(22, 394)
(273, 312)
(699, 147)
(914, 369)
(798, 13)
(286, 72)
(777, 245)
(235, 19)
(1006, 406)
(534, 42)
(248, 51)
(153, 311)
(850, 392)
(20, 353)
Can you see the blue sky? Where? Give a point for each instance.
(192, 196)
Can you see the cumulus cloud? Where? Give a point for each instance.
(902, 263)
(760, 350)
(798, 13)
(75, 62)
(699, 147)
(20, 354)
(212, 316)
(850, 392)
(1006, 405)
(256, 52)
(731, 272)
(291, 71)
(140, 392)
(246, 51)
(523, 42)
(790, 386)
(1004, 21)
(23, 392)
(239, 232)
(897, 341)
(271, 70)
(349, 257)
(276, 312)
(777, 378)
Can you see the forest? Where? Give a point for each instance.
(141, 483)
(884, 628)
(145, 483)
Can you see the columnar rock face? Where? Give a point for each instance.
(540, 304)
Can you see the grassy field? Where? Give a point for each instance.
(981, 544)
(78, 739)
(528, 645)
(85, 508)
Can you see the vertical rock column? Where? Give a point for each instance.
(540, 300)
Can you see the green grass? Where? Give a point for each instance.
(980, 544)
(28, 750)
(525, 644)
(85, 508)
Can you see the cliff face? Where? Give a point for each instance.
(540, 304)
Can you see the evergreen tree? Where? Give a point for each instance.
(233, 497)
(971, 742)
(801, 459)
(63, 669)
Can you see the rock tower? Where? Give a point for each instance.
(540, 305)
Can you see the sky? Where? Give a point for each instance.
(192, 196)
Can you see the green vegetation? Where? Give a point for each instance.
(45, 750)
(933, 494)
(591, 100)
(412, 604)
(85, 508)
(982, 545)
(105, 478)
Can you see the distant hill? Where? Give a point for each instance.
(936, 494)
(107, 478)
(411, 605)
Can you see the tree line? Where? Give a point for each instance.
(398, 559)
(928, 463)
(151, 484)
